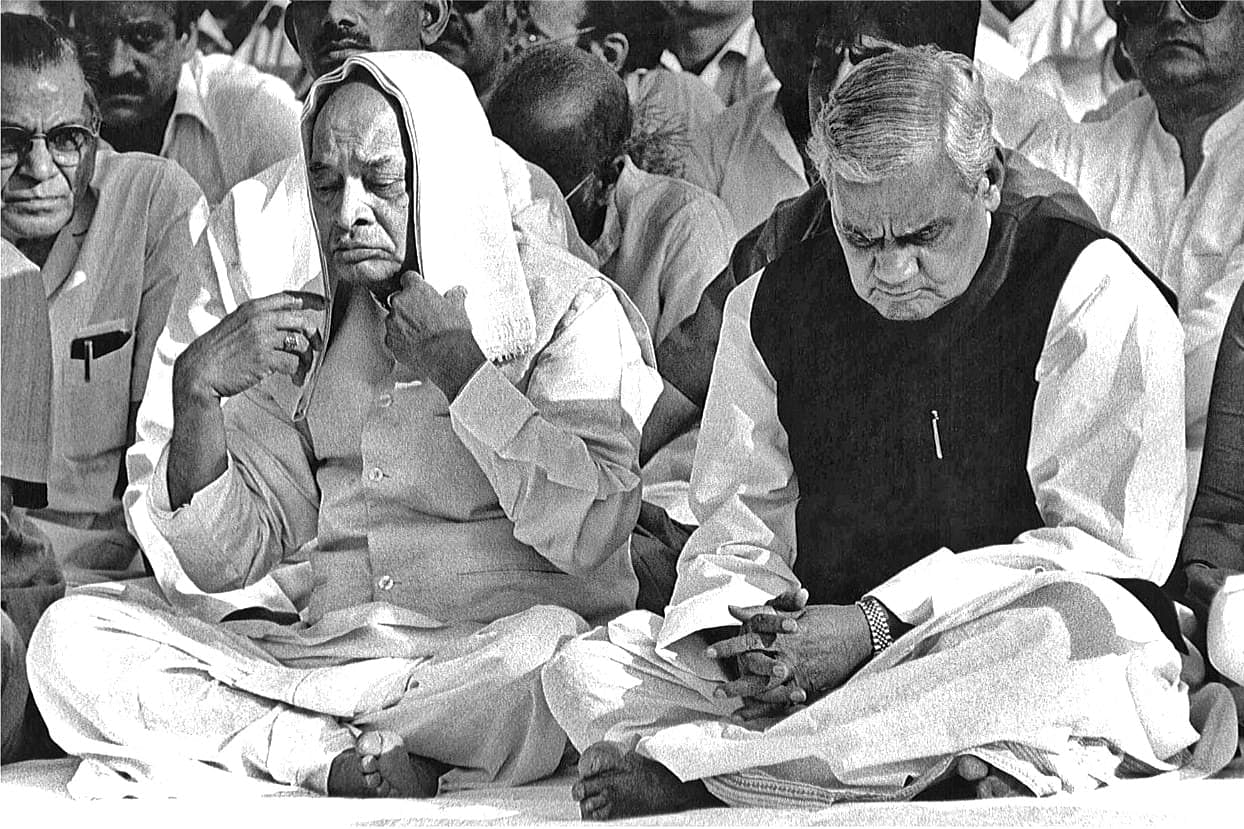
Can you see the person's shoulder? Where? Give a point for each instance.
(664, 198)
(142, 172)
(227, 76)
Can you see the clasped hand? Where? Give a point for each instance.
(431, 333)
(788, 653)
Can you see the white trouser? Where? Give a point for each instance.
(133, 683)
(1049, 682)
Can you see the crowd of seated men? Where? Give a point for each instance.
(729, 403)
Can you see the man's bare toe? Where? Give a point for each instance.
(990, 783)
(616, 783)
(380, 766)
(595, 807)
(600, 757)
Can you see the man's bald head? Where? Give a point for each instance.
(562, 109)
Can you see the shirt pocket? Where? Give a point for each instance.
(95, 389)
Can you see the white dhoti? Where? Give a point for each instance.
(126, 680)
(1063, 681)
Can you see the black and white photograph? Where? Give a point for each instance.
(667, 412)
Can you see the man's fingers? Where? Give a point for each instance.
(752, 710)
(744, 614)
(736, 645)
(457, 295)
(746, 686)
(757, 663)
(287, 301)
(791, 601)
(771, 623)
(410, 280)
(785, 694)
(302, 322)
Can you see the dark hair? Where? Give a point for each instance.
(183, 14)
(598, 125)
(948, 24)
(34, 43)
(646, 25)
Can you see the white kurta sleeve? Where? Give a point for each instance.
(564, 457)
(743, 488)
(1106, 450)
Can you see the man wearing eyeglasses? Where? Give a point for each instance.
(111, 233)
(1164, 173)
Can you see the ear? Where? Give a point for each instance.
(989, 186)
(614, 49)
(189, 42)
(433, 20)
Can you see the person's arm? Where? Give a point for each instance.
(694, 246)
(1106, 452)
(563, 456)
(743, 490)
(1213, 543)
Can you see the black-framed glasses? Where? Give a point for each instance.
(1148, 12)
(66, 143)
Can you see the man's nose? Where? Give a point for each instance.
(354, 210)
(38, 163)
(896, 265)
(1172, 11)
(343, 13)
(120, 58)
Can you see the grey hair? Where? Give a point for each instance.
(896, 107)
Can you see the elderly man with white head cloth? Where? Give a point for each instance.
(934, 488)
(451, 441)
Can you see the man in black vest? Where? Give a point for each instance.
(934, 484)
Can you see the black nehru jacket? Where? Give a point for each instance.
(867, 403)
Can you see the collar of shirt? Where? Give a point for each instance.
(190, 100)
(773, 130)
(64, 253)
(739, 43)
(628, 184)
(1225, 131)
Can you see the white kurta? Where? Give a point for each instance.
(1128, 170)
(1107, 425)
(230, 122)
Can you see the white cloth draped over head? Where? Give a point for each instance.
(460, 214)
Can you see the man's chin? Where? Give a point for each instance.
(371, 274)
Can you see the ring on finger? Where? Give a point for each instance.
(290, 343)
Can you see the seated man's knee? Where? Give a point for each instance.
(68, 637)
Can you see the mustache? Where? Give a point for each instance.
(331, 36)
(122, 85)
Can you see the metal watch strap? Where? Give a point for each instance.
(878, 623)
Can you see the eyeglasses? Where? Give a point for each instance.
(65, 143)
(1148, 12)
(535, 36)
(582, 182)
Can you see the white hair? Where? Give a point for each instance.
(895, 108)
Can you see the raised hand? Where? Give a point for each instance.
(431, 333)
(265, 336)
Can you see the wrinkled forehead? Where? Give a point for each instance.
(54, 94)
(927, 190)
(356, 119)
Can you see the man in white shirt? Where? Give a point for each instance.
(947, 369)
(462, 478)
(1164, 172)
(717, 40)
(661, 239)
(220, 119)
(751, 156)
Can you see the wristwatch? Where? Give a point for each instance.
(878, 623)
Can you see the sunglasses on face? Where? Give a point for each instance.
(65, 143)
(1148, 12)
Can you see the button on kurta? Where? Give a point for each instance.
(384, 401)
(385, 582)
(375, 474)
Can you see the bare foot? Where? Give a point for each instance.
(988, 781)
(614, 783)
(380, 766)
